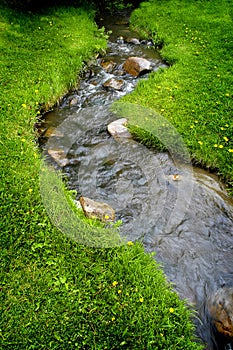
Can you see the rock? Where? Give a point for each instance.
(74, 101)
(137, 66)
(59, 157)
(52, 131)
(118, 128)
(133, 41)
(97, 210)
(220, 307)
(108, 66)
(115, 84)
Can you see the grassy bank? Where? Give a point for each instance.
(55, 293)
(195, 92)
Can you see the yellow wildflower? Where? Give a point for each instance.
(215, 145)
(24, 105)
(141, 300)
(200, 142)
(30, 190)
(171, 309)
(113, 319)
(230, 150)
(130, 243)
(119, 291)
(220, 146)
(226, 139)
(114, 284)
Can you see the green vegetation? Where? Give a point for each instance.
(195, 93)
(55, 293)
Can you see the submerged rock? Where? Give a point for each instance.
(115, 84)
(118, 128)
(137, 66)
(97, 210)
(220, 307)
(133, 41)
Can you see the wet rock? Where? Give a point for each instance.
(97, 210)
(220, 307)
(59, 157)
(120, 40)
(52, 131)
(108, 66)
(118, 128)
(114, 84)
(74, 101)
(133, 41)
(137, 66)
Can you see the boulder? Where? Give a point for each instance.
(137, 66)
(97, 210)
(114, 84)
(220, 306)
(118, 128)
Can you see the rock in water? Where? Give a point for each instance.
(114, 84)
(220, 307)
(137, 66)
(118, 128)
(97, 210)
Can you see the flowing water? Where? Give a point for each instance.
(188, 223)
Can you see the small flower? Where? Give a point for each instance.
(226, 139)
(171, 309)
(161, 334)
(162, 110)
(119, 291)
(191, 126)
(30, 190)
(36, 91)
(23, 140)
(222, 128)
(130, 243)
(200, 142)
(220, 146)
(24, 105)
(113, 319)
(215, 145)
(106, 217)
(226, 125)
(141, 300)
(114, 284)
(230, 150)
(227, 94)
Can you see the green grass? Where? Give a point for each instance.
(195, 93)
(54, 292)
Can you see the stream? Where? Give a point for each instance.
(188, 223)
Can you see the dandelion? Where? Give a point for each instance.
(114, 284)
(171, 310)
(225, 138)
(220, 146)
(230, 150)
(141, 300)
(130, 243)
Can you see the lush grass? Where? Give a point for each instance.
(195, 92)
(55, 293)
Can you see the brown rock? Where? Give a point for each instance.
(108, 66)
(220, 307)
(118, 128)
(137, 66)
(115, 84)
(58, 156)
(97, 210)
